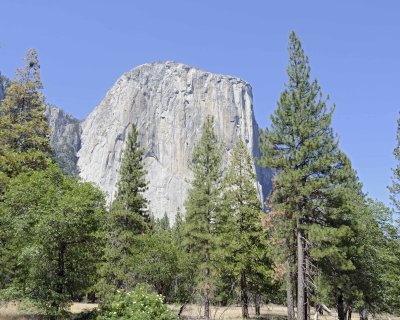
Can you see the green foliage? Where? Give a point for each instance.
(139, 304)
(203, 204)
(127, 221)
(24, 133)
(395, 187)
(156, 263)
(376, 266)
(243, 245)
(395, 245)
(184, 281)
(162, 225)
(55, 244)
(158, 259)
(132, 183)
(315, 185)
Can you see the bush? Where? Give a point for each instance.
(139, 304)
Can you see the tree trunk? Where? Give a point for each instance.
(60, 277)
(257, 305)
(301, 289)
(307, 285)
(340, 307)
(207, 288)
(316, 314)
(349, 311)
(363, 314)
(244, 299)
(181, 311)
(289, 290)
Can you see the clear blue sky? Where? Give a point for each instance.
(354, 50)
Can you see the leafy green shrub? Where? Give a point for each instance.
(139, 304)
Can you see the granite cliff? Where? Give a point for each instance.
(1, 91)
(168, 102)
(4, 81)
(65, 138)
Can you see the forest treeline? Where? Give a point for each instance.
(321, 243)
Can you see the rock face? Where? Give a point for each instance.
(65, 138)
(4, 82)
(65, 133)
(168, 102)
(1, 92)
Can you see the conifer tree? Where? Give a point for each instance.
(395, 186)
(128, 218)
(24, 145)
(184, 281)
(395, 200)
(242, 241)
(178, 228)
(310, 168)
(202, 205)
(24, 133)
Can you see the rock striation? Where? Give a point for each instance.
(168, 102)
(4, 82)
(1, 92)
(65, 138)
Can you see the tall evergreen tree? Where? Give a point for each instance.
(128, 218)
(395, 200)
(310, 167)
(242, 241)
(395, 186)
(24, 133)
(202, 205)
(24, 145)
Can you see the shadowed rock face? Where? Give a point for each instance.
(168, 102)
(65, 138)
(1, 92)
(65, 134)
(4, 82)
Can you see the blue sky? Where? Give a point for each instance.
(354, 50)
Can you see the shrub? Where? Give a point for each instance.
(139, 304)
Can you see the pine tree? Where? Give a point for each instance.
(184, 281)
(162, 224)
(24, 145)
(395, 200)
(132, 183)
(395, 186)
(24, 133)
(310, 168)
(128, 218)
(202, 205)
(242, 241)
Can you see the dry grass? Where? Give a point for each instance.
(234, 312)
(270, 312)
(79, 307)
(11, 311)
